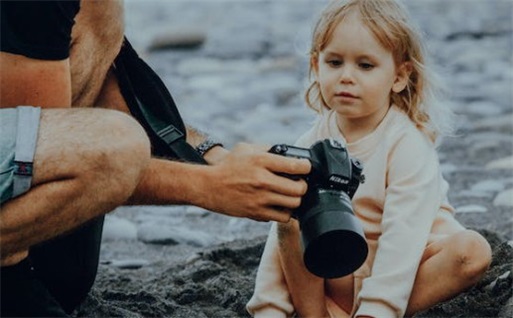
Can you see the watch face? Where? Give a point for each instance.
(206, 145)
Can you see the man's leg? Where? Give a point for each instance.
(87, 162)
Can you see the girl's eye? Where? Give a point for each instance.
(366, 66)
(334, 63)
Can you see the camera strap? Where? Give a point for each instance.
(152, 105)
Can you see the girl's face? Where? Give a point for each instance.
(357, 74)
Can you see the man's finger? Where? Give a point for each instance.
(293, 166)
(289, 187)
(273, 214)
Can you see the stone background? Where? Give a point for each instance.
(237, 69)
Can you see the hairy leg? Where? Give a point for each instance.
(448, 267)
(87, 162)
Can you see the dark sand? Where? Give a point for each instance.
(219, 281)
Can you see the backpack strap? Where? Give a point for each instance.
(152, 105)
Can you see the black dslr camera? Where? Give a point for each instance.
(332, 237)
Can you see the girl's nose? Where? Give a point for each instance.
(346, 74)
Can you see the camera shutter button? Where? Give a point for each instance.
(280, 149)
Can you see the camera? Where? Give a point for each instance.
(332, 237)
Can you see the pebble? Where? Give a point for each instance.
(497, 123)
(117, 228)
(505, 198)
(193, 258)
(473, 208)
(488, 186)
(503, 163)
(490, 286)
(483, 146)
(489, 136)
(129, 263)
(475, 194)
(448, 168)
(483, 108)
(197, 211)
(171, 235)
(178, 38)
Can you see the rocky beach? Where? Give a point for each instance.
(238, 70)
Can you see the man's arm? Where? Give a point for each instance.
(27, 81)
(195, 137)
(34, 57)
(242, 182)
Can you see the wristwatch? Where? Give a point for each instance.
(206, 145)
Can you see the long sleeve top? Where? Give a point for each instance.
(403, 195)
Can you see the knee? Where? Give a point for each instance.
(121, 155)
(473, 255)
(129, 140)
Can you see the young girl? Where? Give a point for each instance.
(371, 91)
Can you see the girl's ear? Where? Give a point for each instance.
(402, 77)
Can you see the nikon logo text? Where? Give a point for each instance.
(340, 180)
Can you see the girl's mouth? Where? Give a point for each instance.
(345, 94)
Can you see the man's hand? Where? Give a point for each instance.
(246, 183)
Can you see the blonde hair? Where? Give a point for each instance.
(389, 22)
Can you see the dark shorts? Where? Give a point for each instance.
(24, 295)
(57, 276)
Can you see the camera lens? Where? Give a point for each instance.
(333, 240)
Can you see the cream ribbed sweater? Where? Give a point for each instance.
(403, 200)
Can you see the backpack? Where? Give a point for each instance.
(153, 107)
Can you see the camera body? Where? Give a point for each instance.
(332, 237)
